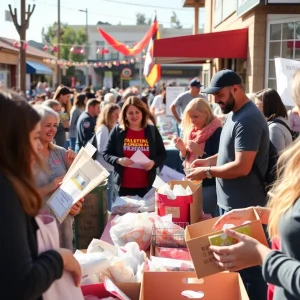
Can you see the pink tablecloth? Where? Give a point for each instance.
(106, 236)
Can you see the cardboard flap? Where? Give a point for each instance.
(185, 183)
(205, 227)
(197, 240)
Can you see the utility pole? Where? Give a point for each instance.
(21, 29)
(58, 71)
(87, 79)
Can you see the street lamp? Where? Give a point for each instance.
(86, 45)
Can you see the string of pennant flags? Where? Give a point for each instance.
(80, 49)
(109, 64)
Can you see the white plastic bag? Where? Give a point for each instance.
(123, 205)
(132, 228)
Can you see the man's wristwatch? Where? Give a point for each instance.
(207, 173)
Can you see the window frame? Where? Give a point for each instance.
(271, 20)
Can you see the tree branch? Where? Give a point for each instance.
(29, 13)
(14, 18)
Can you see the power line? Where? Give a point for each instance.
(146, 5)
(103, 15)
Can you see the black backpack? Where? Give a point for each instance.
(271, 174)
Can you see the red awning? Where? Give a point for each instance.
(201, 47)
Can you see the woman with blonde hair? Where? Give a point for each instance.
(107, 119)
(201, 137)
(280, 268)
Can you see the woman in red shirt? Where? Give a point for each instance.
(133, 134)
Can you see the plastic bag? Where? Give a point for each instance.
(92, 263)
(132, 228)
(148, 203)
(174, 253)
(123, 205)
(168, 234)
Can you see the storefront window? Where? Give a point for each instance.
(223, 9)
(100, 45)
(284, 41)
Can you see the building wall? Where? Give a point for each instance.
(11, 60)
(124, 34)
(256, 22)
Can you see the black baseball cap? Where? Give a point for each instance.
(221, 79)
(196, 83)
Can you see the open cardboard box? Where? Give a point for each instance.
(196, 237)
(195, 206)
(170, 285)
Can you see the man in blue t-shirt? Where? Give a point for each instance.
(244, 142)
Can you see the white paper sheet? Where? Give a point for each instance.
(82, 177)
(139, 159)
(167, 174)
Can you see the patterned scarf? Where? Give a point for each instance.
(200, 137)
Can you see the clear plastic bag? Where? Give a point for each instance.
(132, 228)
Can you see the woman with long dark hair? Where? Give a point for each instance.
(62, 95)
(27, 272)
(133, 134)
(271, 105)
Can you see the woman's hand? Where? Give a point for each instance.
(76, 208)
(55, 183)
(195, 148)
(179, 144)
(248, 252)
(149, 165)
(235, 217)
(71, 264)
(125, 162)
(70, 156)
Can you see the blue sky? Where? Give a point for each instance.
(112, 11)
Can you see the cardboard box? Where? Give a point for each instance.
(195, 206)
(197, 239)
(170, 285)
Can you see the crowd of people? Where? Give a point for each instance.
(229, 152)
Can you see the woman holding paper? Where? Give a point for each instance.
(280, 268)
(133, 137)
(27, 272)
(57, 161)
(201, 137)
(106, 121)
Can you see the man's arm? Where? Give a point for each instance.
(174, 112)
(240, 167)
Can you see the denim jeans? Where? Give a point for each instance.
(209, 198)
(110, 191)
(252, 277)
(72, 143)
(77, 149)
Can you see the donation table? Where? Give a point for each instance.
(106, 236)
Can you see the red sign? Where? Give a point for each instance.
(126, 73)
